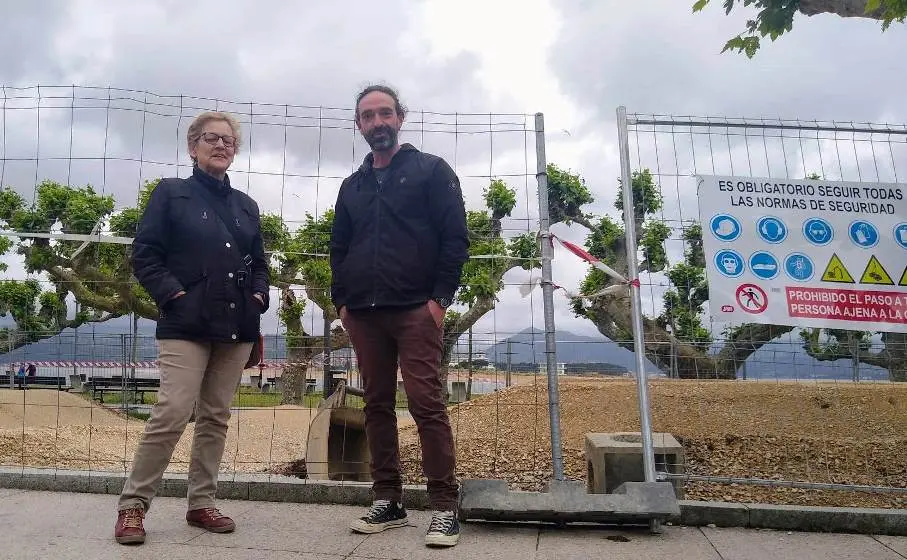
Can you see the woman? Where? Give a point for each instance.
(198, 251)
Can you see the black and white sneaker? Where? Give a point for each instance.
(444, 529)
(382, 515)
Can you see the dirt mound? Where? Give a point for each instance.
(816, 432)
(42, 408)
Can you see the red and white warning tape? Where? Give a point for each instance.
(114, 365)
(592, 260)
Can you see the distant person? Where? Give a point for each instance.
(21, 372)
(198, 251)
(32, 370)
(398, 246)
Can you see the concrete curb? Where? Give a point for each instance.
(274, 488)
(256, 487)
(795, 518)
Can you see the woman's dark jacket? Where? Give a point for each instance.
(183, 244)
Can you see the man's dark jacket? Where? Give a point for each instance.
(403, 242)
(181, 244)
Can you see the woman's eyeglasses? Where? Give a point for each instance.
(212, 138)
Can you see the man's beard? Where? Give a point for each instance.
(381, 138)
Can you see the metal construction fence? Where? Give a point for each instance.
(784, 423)
(803, 438)
(78, 349)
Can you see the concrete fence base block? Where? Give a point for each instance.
(481, 499)
(566, 501)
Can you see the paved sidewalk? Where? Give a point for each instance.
(80, 527)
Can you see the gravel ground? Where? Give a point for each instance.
(816, 432)
(62, 430)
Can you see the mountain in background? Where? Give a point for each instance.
(528, 346)
(780, 359)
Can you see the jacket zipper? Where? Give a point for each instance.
(376, 241)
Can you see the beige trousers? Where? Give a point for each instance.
(206, 373)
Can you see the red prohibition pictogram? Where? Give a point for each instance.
(752, 298)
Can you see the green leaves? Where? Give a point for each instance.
(567, 193)
(499, 198)
(654, 234)
(526, 248)
(647, 197)
(606, 241)
(10, 204)
(775, 17)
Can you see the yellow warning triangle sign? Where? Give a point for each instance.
(835, 272)
(903, 281)
(876, 274)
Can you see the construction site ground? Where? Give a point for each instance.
(787, 431)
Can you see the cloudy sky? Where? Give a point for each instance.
(469, 70)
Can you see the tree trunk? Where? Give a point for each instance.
(898, 371)
(896, 351)
(893, 357)
(843, 8)
(300, 349)
(611, 315)
(293, 381)
(469, 378)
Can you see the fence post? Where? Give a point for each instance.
(547, 250)
(327, 378)
(507, 379)
(648, 450)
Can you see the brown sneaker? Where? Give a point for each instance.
(129, 529)
(210, 519)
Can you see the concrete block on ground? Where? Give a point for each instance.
(719, 514)
(567, 501)
(828, 520)
(615, 458)
(458, 391)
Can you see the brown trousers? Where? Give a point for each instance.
(380, 339)
(206, 373)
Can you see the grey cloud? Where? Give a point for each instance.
(167, 61)
(659, 57)
(278, 55)
(27, 40)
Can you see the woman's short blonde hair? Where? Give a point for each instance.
(195, 129)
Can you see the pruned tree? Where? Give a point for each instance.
(776, 17)
(301, 263)
(676, 340)
(99, 277)
(483, 278)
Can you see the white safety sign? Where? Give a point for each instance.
(806, 253)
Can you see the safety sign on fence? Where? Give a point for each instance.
(805, 253)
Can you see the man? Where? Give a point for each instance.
(398, 246)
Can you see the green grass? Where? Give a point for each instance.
(244, 397)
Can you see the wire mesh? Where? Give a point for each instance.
(79, 161)
(778, 414)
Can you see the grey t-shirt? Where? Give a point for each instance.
(381, 174)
